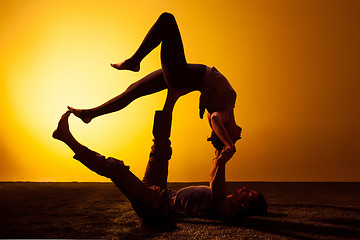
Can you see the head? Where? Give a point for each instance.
(249, 202)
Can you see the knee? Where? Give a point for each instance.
(113, 168)
(167, 16)
(132, 86)
(133, 91)
(161, 150)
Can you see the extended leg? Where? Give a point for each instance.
(152, 83)
(157, 168)
(135, 190)
(94, 161)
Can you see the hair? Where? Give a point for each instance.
(216, 141)
(258, 206)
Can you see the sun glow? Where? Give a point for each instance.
(65, 60)
(293, 64)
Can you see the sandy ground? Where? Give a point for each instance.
(99, 210)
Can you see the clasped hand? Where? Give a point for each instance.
(227, 153)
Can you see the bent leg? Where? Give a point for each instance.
(139, 194)
(165, 31)
(179, 75)
(173, 59)
(152, 83)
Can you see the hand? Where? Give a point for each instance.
(231, 148)
(226, 154)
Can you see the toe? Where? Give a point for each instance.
(70, 109)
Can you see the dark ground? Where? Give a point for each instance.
(99, 210)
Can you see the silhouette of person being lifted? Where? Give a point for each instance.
(180, 78)
(150, 197)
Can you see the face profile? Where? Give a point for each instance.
(249, 202)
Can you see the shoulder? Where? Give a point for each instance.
(227, 210)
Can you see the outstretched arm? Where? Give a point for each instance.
(217, 184)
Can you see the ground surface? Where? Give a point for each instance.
(99, 210)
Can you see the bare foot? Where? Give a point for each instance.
(126, 65)
(62, 132)
(80, 114)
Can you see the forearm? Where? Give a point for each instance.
(217, 183)
(220, 130)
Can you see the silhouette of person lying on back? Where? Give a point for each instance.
(150, 198)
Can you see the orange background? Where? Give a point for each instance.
(294, 64)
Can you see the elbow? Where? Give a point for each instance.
(215, 117)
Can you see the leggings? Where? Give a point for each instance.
(173, 61)
(176, 73)
(149, 197)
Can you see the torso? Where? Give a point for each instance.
(192, 201)
(217, 93)
(196, 75)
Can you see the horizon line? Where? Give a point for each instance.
(203, 182)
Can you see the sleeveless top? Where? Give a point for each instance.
(216, 93)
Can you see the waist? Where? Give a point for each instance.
(206, 76)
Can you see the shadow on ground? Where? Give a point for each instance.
(99, 210)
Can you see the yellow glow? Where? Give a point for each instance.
(293, 64)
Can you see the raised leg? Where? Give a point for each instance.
(91, 159)
(135, 190)
(152, 83)
(157, 168)
(63, 133)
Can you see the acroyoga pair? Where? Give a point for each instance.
(150, 197)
